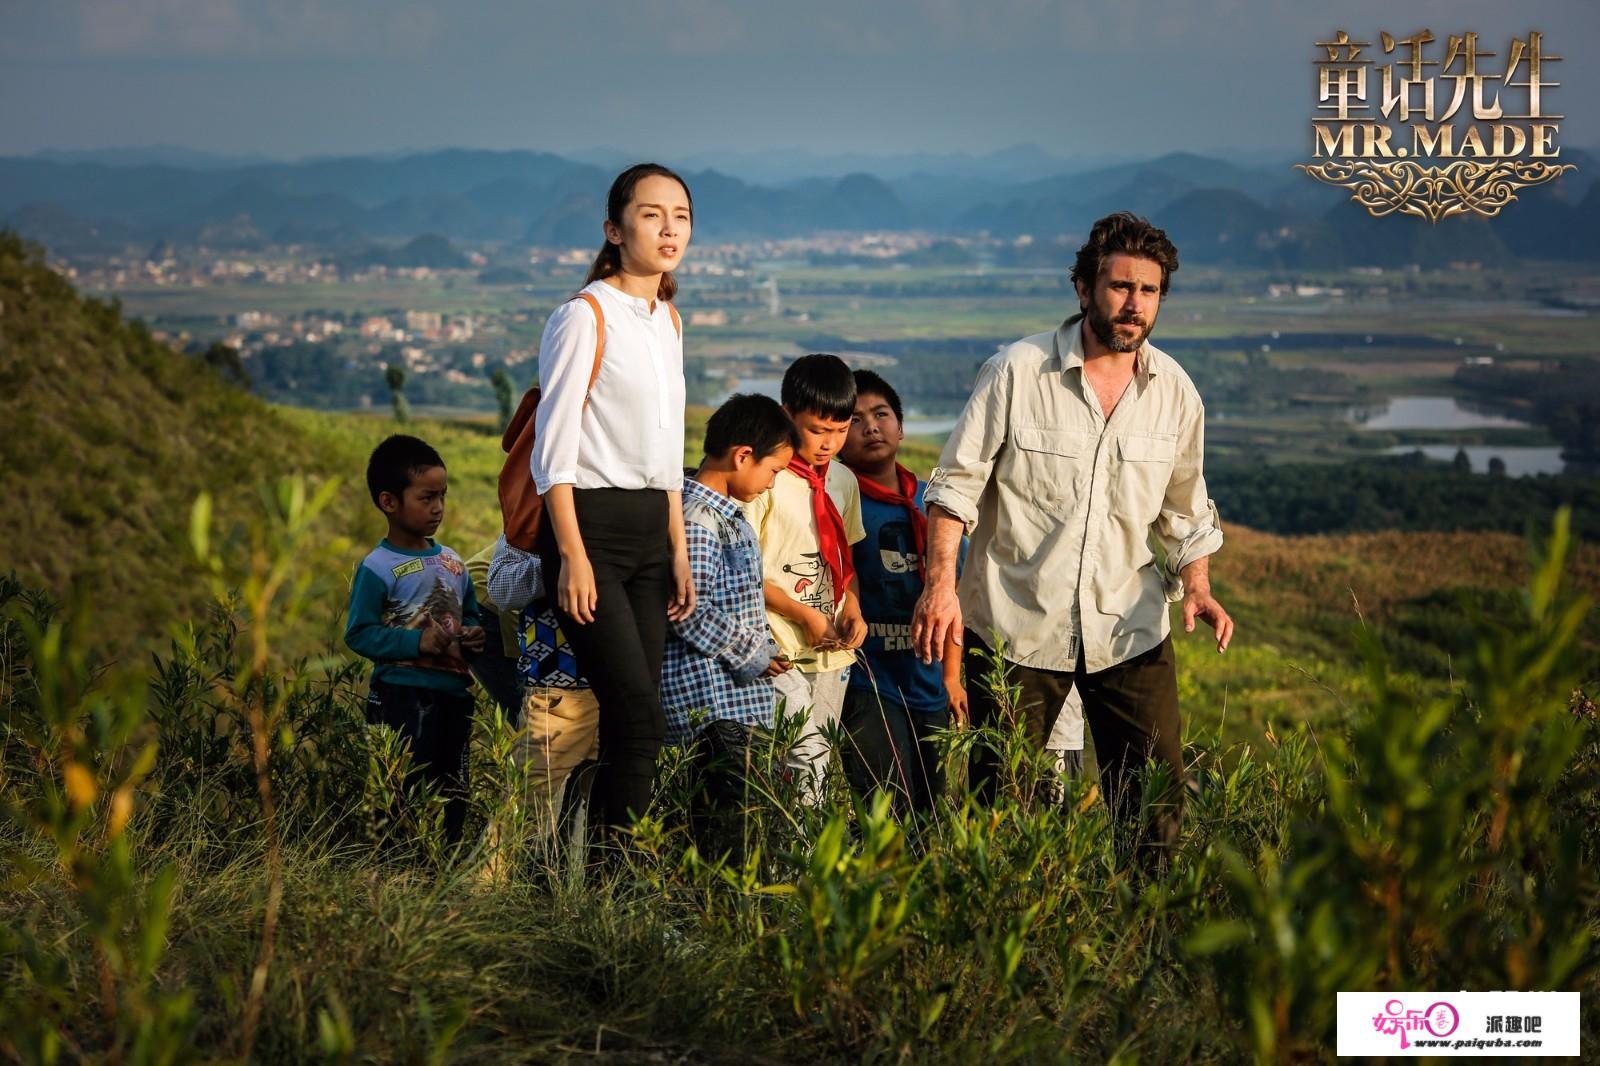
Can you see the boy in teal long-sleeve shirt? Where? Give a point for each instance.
(413, 612)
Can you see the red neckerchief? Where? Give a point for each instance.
(830, 528)
(907, 498)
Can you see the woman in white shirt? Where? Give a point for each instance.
(608, 460)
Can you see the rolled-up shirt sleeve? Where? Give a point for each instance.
(566, 358)
(1188, 527)
(957, 483)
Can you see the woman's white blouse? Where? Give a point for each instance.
(630, 436)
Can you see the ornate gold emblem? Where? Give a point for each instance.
(1408, 187)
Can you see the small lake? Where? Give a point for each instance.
(923, 425)
(1431, 412)
(761, 385)
(1520, 461)
(1448, 413)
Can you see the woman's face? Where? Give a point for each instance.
(655, 226)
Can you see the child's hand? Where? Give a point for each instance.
(435, 641)
(779, 665)
(950, 671)
(473, 639)
(852, 626)
(819, 628)
(960, 710)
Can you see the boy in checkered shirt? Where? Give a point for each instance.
(720, 659)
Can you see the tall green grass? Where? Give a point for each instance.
(208, 859)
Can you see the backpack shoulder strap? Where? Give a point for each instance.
(599, 339)
(677, 323)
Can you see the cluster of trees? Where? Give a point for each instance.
(1249, 381)
(324, 376)
(937, 375)
(967, 286)
(315, 375)
(1564, 396)
(428, 250)
(931, 375)
(1406, 492)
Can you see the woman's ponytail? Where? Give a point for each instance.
(607, 261)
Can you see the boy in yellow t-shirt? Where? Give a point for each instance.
(806, 524)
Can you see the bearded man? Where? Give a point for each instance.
(1075, 450)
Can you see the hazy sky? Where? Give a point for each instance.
(673, 77)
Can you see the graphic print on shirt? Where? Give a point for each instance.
(813, 584)
(442, 604)
(547, 659)
(898, 553)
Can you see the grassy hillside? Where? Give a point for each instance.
(1411, 842)
(110, 435)
(1350, 830)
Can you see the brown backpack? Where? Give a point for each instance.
(521, 506)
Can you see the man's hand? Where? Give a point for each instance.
(936, 626)
(936, 621)
(1199, 603)
(473, 639)
(779, 665)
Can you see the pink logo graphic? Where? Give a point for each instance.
(1441, 1019)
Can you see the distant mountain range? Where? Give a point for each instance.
(1219, 211)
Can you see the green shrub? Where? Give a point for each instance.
(1416, 841)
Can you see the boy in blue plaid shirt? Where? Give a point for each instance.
(720, 660)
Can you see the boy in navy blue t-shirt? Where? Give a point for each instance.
(413, 613)
(895, 701)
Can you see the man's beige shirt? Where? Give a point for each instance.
(1062, 504)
